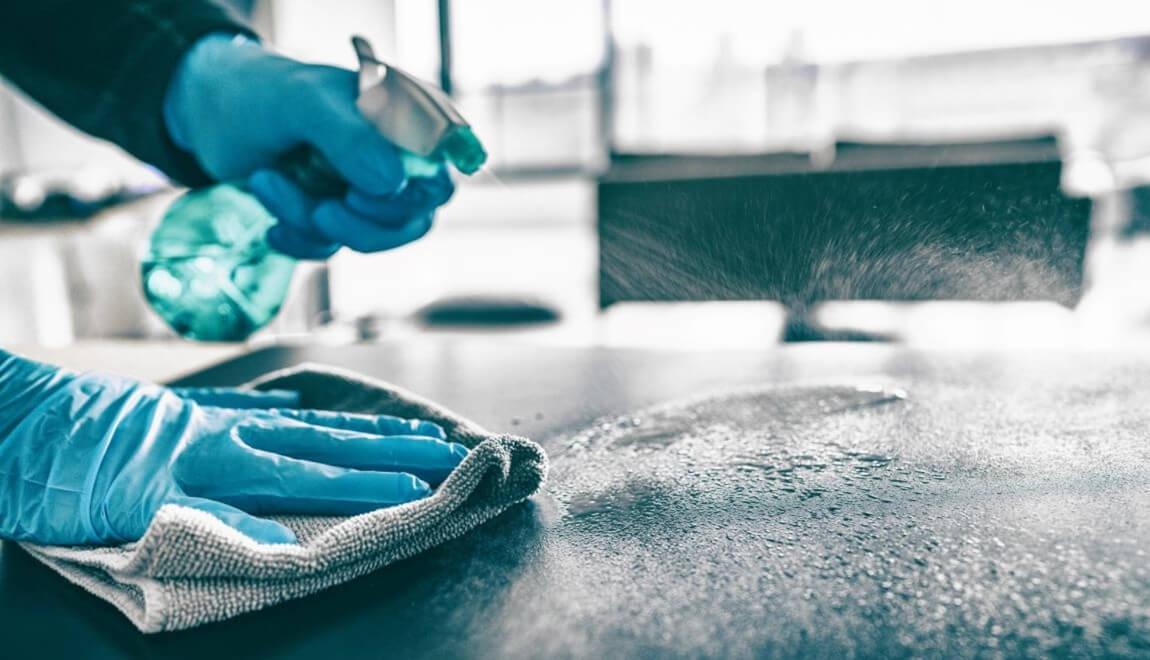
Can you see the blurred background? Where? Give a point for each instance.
(715, 174)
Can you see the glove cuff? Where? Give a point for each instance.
(142, 128)
(23, 383)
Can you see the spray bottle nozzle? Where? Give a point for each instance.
(413, 114)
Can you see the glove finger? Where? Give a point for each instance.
(355, 148)
(374, 424)
(228, 397)
(295, 243)
(285, 200)
(421, 196)
(293, 234)
(362, 234)
(259, 530)
(276, 484)
(364, 158)
(429, 459)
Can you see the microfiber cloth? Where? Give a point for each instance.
(190, 569)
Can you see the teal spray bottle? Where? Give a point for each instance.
(209, 271)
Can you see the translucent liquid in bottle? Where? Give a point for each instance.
(209, 272)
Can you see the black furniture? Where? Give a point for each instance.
(1022, 528)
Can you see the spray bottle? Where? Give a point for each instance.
(209, 271)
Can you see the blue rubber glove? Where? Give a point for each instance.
(90, 459)
(237, 108)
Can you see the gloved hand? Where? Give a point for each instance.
(237, 108)
(90, 459)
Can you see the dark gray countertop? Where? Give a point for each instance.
(1001, 508)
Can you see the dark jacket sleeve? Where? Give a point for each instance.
(104, 66)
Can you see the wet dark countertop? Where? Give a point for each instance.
(1000, 507)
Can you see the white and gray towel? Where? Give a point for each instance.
(191, 569)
